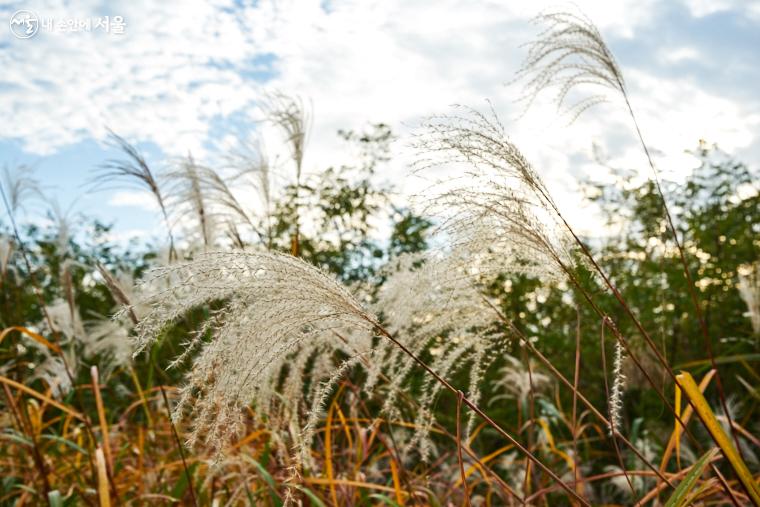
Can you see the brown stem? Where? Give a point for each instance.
(460, 397)
(23, 422)
(612, 416)
(480, 412)
(576, 379)
(179, 446)
(687, 272)
(575, 391)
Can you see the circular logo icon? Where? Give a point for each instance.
(24, 24)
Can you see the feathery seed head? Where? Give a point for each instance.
(278, 312)
(570, 53)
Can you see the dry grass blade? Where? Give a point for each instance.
(106, 445)
(31, 334)
(103, 496)
(705, 413)
(42, 397)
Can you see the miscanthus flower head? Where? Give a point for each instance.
(275, 313)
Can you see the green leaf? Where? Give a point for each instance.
(309, 493)
(181, 486)
(268, 479)
(687, 484)
(19, 439)
(65, 442)
(385, 499)
(55, 499)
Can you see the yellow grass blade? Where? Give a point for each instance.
(707, 416)
(686, 417)
(42, 397)
(140, 392)
(328, 453)
(471, 469)
(100, 460)
(396, 483)
(677, 429)
(101, 416)
(550, 440)
(31, 334)
(344, 424)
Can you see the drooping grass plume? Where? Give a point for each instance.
(133, 170)
(229, 208)
(432, 304)
(19, 185)
(187, 196)
(569, 53)
(278, 312)
(292, 118)
(250, 163)
(522, 225)
(498, 207)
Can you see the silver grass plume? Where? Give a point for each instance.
(226, 204)
(251, 164)
(293, 118)
(497, 208)
(749, 290)
(569, 53)
(19, 185)
(187, 197)
(616, 392)
(277, 310)
(517, 382)
(133, 170)
(431, 303)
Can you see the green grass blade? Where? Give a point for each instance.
(384, 499)
(312, 497)
(268, 479)
(687, 484)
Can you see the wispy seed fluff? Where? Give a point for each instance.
(497, 207)
(432, 305)
(618, 386)
(277, 314)
(569, 53)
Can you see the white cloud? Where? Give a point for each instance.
(134, 198)
(702, 8)
(164, 80)
(679, 55)
(179, 68)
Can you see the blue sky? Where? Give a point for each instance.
(187, 77)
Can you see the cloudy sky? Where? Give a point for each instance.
(187, 77)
